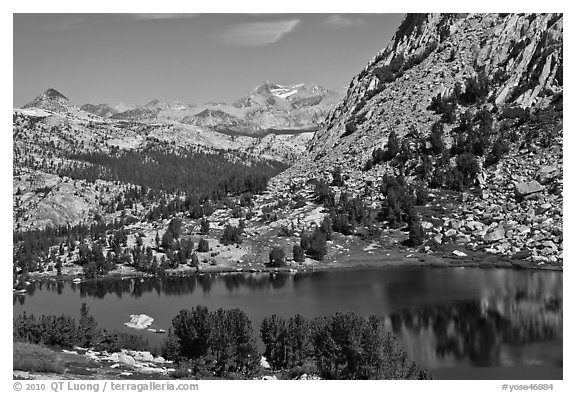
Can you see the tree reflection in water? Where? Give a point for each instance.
(168, 285)
(477, 330)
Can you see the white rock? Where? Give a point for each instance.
(139, 321)
(264, 363)
(126, 359)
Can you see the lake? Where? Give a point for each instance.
(461, 323)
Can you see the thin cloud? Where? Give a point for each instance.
(344, 21)
(72, 21)
(162, 16)
(259, 33)
(78, 21)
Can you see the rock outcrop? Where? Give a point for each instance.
(139, 321)
(515, 60)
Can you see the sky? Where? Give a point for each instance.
(134, 58)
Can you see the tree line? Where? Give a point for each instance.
(192, 173)
(340, 346)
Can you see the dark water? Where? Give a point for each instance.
(459, 322)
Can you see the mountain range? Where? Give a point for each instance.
(267, 107)
(461, 114)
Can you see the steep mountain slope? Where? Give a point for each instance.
(522, 54)
(457, 102)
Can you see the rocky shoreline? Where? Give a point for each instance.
(369, 261)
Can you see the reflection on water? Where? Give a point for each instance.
(168, 286)
(445, 317)
(479, 332)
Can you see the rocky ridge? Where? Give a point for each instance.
(516, 209)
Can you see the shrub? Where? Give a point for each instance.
(326, 227)
(194, 261)
(192, 330)
(175, 226)
(246, 199)
(445, 106)
(337, 177)
(298, 201)
(347, 346)
(286, 232)
(203, 245)
(436, 138)
(389, 73)
(305, 240)
(469, 167)
(237, 212)
(287, 343)
(317, 248)
(421, 194)
(454, 179)
(204, 226)
(87, 328)
(477, 142)
(167, 240)
(116, 341)
(392, 211)
(341, 223)
(425, 168)
(476, 88)
(398, 201)
(324, 194)
(231, 235)
(196, 211)
(392, 147)
(350, 128)
(220, 341)
(231, 343)
(497, 152)
(298, 252)
(277, 257)
(459, 145)
(415, 231)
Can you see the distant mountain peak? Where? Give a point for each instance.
(51, 100)
(54, 94)
(102, 110)
(288, 91)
